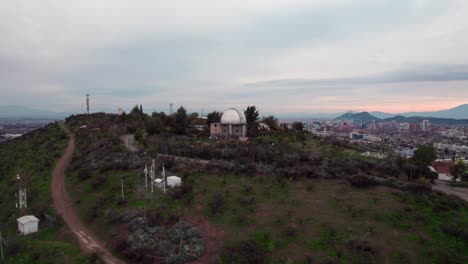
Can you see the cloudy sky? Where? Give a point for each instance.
(284, 56)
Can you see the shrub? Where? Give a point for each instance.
(217, 203)
(249, 251)
(361, 180)
(99, 181)
(84, 174)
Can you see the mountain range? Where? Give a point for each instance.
(459, 112)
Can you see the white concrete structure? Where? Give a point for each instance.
(174, 181)
(28, 224)
(159, 183)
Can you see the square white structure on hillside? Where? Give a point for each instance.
(28, 224)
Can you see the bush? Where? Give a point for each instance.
(361, 180)
(217, 203)
(249, 251)
(185, 192)
(84, 174)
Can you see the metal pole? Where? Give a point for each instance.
(164, 179)
(1, 244)
(146, 176)
(121, 184)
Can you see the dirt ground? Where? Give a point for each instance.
(212, 236)
(62, 203)
(444, 187)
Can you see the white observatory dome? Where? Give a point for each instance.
(233, 117)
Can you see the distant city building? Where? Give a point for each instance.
(425, 125)
(233, 125)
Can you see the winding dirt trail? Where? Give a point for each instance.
(62, 203)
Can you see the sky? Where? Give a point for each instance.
(283, 56)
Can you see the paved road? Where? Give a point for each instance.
(444, 187)
(62, 203)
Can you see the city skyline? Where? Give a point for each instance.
(284, 57)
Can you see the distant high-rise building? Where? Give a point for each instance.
(425, 125)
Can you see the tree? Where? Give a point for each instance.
(458, 170)
(299, 126)
(251, 115)
(424, 155)
(180, 120)
(213, 117)
(271, 121)
(136, 109)
(153, 125)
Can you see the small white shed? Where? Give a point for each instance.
(28, 224)
(174, 181)
(159, 183)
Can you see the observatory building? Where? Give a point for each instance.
(233, 125)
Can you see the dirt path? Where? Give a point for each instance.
(62, 203)
(212, 236)
(444, 187)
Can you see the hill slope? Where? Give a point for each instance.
(280, 206)
(34, 153)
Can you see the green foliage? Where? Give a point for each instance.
(271, 121)
(153, 125)
(213, 117)
(180, 120)
(329, 238)
(458, 170)
(251, 115)
(299, 126)
(424, 155)
(35, 153)
(248, 252)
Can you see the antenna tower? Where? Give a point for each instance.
(87, 103)
(22, 194)
(171, 109)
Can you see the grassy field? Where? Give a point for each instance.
(35, 154)
(300, 221)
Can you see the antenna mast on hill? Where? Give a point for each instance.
(171, 108)
(87, 103)
(22, 194)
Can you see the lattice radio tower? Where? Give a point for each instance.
(87, 103)
(22, 194)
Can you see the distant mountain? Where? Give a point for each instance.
(14, 111)
(382, 115)
(459, 112)
(432, 120)
(358, 117)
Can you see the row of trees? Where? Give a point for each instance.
(425, 154)
(179, 123)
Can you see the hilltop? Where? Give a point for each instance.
(33, 156)
(284, 196)
(358, 117)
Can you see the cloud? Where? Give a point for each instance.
(216, 54)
